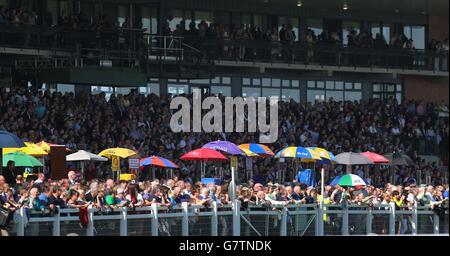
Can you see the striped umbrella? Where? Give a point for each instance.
(259, 149)
(299, 152)
(351, 180)
(157, 161)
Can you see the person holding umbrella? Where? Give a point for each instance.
(9, 173)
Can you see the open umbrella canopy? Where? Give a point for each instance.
(9, 140)
(351, 180)
(376, 158)
(21, 160)
(47, 146)
(259, 149)
(157, 161)
(83, 155)
(224, 146)
(399, 159)
(326, 156)
(205, 154)
(351, 158)
(305, 154)
(30, 149)
(119, 152)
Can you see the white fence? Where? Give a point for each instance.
(184, 220)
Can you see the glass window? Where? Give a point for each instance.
(175, 18)
(149, 19)
(260, 20)
(295, 83)
(251, 92)
(275, 82)
(398, 97)
(417, 34)
(246, 81)
(376, 29)
(285, 83)
(65, 88)
(316, 25)
(390, 88)
(288, 94)
(153, 88)
(399, 87)
(311, 84)
(208, 17)
(348, 85)
(376, 87)
(347, 27)
(122, 13)
(358, 86)
(313, 95)
(216, 80)
(330, 84)
(336, 95)
(339, 85)
(267, 92)
(226, 80)
(387, 32)
(256, 81)
(246, 19)
(352, 96)
(320, 84)
(176, 89)
(266, 82)
(224, 90)
(200, 81)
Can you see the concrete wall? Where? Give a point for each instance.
(425, 88)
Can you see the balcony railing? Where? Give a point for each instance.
(290, 220)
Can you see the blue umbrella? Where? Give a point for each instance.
(9, 140)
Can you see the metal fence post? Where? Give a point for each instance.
(283, 227)
(392, 219)
(155, 220)
(21, 224)
(123, 222)
(214, 220)
(414, 223)
(185, 225)
(57, 223)
(236, 217)
(345, 220)
(90, 227)
(435, 223)
(369, 221)
(319, 220)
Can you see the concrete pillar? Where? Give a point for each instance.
(236, 86)
(163, 87)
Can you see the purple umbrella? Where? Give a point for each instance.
(224, 146)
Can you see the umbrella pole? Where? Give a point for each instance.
(233, 184)
(322, 186)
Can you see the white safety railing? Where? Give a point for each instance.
(186, 220)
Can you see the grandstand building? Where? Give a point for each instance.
(341, 49)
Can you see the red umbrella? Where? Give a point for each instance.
(203, 155)
(376, 158)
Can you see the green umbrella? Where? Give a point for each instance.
(351, 180)
(21, 160)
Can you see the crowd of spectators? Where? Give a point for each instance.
(47, 197)
(141, 122)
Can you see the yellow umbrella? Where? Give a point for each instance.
(47, 146)
(248, 152)
(119, 152)
(30, 149)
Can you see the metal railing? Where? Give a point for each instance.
(185, 220)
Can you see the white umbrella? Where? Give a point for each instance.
(83, 155)
(351, 158)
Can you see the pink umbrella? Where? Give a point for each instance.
(376, 158)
